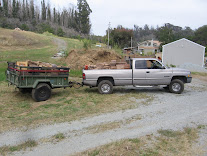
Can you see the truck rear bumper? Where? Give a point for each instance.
(89, 83)
(189, 79)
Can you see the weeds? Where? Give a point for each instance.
(28, 144)
(59, 136)
(168, 143)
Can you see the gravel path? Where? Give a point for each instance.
(62, 45)
(166, 111)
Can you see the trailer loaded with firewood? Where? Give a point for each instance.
(38, 78)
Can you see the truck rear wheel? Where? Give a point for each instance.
(105, 87)
(42, 92)
(176, 86)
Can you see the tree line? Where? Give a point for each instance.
(26, 15)
(167, 33)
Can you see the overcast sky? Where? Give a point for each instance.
(128, 13)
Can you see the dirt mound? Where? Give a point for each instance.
(77, 59)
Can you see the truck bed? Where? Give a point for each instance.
(120, 76)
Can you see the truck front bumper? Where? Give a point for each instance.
(189, 79)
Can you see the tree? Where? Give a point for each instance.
(201, 35)
(5, 7)
(121, 36)
(43, 10)
(48, 12)
(83, 16)
(24, 17)
(165, 34)
(14, 13)
(54, 15)
(27, 11)
(32, 9)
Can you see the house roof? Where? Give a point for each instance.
(143, 47)
(184, 40)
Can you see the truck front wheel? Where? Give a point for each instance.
(176, 86)
(42, 92)
(105, 87)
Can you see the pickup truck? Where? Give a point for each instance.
(142, 72)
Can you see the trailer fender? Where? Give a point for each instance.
(42, 81)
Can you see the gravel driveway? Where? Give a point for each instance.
(166, 111)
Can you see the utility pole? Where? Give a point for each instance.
(131, 43)
(108, 33)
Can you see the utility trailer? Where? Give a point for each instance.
(37, 80)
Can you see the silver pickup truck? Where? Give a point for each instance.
(143, 72)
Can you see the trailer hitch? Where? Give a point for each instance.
(75, 84)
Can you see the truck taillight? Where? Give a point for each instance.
(84, 76)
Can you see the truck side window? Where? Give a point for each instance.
(153, 64)
(140, 64)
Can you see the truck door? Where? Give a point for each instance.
(156, 74)
(139, 72)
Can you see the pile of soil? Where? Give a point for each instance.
(77, 59)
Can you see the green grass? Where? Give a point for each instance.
(169, 142)
(198, 73)
(169, 133)
(17, 109)
(76, 73)
(59, 136)
(7, 149)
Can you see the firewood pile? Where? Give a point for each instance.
(112, 65)
(37, 64)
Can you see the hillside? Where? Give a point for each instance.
(20, 40)
(24, 45)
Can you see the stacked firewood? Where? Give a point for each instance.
(36, 64)
(112, 65)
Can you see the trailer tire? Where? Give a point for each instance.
(105, 87)
(42, 92)
(176, 86)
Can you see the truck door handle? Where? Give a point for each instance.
(147, 72)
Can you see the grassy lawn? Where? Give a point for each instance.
(168, 142)
(17, 109)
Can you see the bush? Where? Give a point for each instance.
(44, 27)
(86, 44)
(24, 27)
(60, 32)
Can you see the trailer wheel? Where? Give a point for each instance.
(42, 92)
(105, 87)
(176, 86)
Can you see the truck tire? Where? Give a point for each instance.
(42, 92)
(176, 86)
(105, 87)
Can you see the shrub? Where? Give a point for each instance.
(44, 27)
(86, 44)
(60, 32)
(24, 27)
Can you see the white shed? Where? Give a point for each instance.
(183, 51)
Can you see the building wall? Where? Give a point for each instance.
(183, 51)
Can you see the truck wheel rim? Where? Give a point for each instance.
(176, 87)
(105, 88)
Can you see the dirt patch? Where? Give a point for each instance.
(77, 59)
(200, 77)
